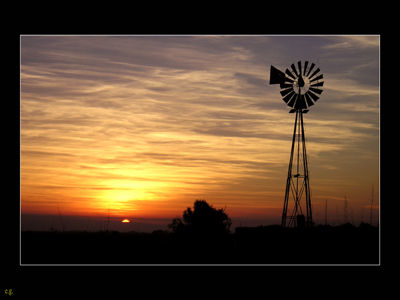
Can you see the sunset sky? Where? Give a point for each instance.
(142, 126)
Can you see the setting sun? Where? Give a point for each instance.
(126, 221)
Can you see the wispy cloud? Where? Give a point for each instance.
(168, 119)
(354, 41)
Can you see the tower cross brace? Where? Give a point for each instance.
(297, 210)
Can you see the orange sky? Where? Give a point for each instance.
(144, 126)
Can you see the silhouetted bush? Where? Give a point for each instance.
(202, 220)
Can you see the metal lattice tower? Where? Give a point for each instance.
(300, 88)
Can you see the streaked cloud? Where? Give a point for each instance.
(162, 120)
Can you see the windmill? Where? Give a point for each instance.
(300, 88)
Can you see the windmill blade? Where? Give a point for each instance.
(318, 78)
(293, 100)
(308, 99)
(315, 90)
(313, 96)
(305, 67)
(300, 103)
(288, 96)
(290, 74)
(303, 103)
(285, 92)
(289, 80)
(313, 74)
(318, 84)
(312, 67)
(294, 70)
(299, 64)
(286, 85)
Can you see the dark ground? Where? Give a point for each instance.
(345, 244)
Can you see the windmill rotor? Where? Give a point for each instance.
(300, 86)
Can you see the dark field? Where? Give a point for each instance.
(344, 244)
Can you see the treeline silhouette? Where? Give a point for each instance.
(203, 236)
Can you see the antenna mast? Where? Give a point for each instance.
(326, 212)
(345, 210)
(372, 202)
(60, 217)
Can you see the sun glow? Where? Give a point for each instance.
(125, 221)
(122, 197)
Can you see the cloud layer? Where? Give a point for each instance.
(147, 124)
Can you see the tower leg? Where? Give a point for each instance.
(306, 177)
(297, 184)
(289, 177)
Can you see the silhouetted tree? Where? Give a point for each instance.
(202, 220)
(177, 226)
